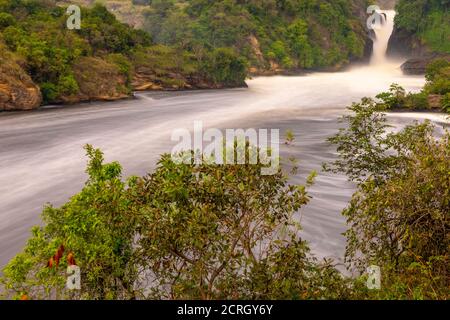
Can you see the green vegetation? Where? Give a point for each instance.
(227, 232)
(210, 231)
(400, 215)
(291, 34)
(434, 95)
(55, 57)
(429, 20)
(50, 51)
(184, 231)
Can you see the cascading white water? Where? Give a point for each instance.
(383, 33)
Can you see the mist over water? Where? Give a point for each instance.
(42, 159)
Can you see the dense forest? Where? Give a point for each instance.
(272, 34)
(183, 45)
(180, 44)
(104, 60)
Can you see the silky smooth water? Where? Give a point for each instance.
(42, 158)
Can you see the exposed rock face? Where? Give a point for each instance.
(435, 101)
(126, 11)
(97, 80)
(415, 66)
(405, 44)
(418, 66)
(387, 4)
(17, 90)
(145, 79)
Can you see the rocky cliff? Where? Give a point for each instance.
(387, 4)
(41, 62)
(17, 90)
(422, 33)
(97, 80)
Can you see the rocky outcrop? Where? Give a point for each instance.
(405, 44)
(17, 90)
(145, 79)
(97, 80)
(418, 66)
(129, 12)
(435, 101)
(420, 29)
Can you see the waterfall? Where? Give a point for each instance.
(383, 33)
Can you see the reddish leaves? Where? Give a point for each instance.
(50, 263)
(71, 259)
(54, 261)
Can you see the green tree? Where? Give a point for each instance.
(6, 20)
(96, 228)
(223, 65)
(183, 231)
(399, 216)
(297, 34)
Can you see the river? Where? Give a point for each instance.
(42, 157)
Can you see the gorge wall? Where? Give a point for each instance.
(17, 90)
(422, 29)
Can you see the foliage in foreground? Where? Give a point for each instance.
(399, 217)
(434, 95)
(227, 232)
(184, 231)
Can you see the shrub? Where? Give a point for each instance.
(225, 66)
(49, 92)
(434, 68)
(394, 98)
(95, 228)
(6, 20)
(123, 63)
(183, 231)
(67, 85)
(399, 217)
(446, 103)
(440, 83)
(418, 101)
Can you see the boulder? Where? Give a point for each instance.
(418, 66)
(415, 66)
(435, 101)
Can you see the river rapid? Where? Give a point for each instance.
(42, 158)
